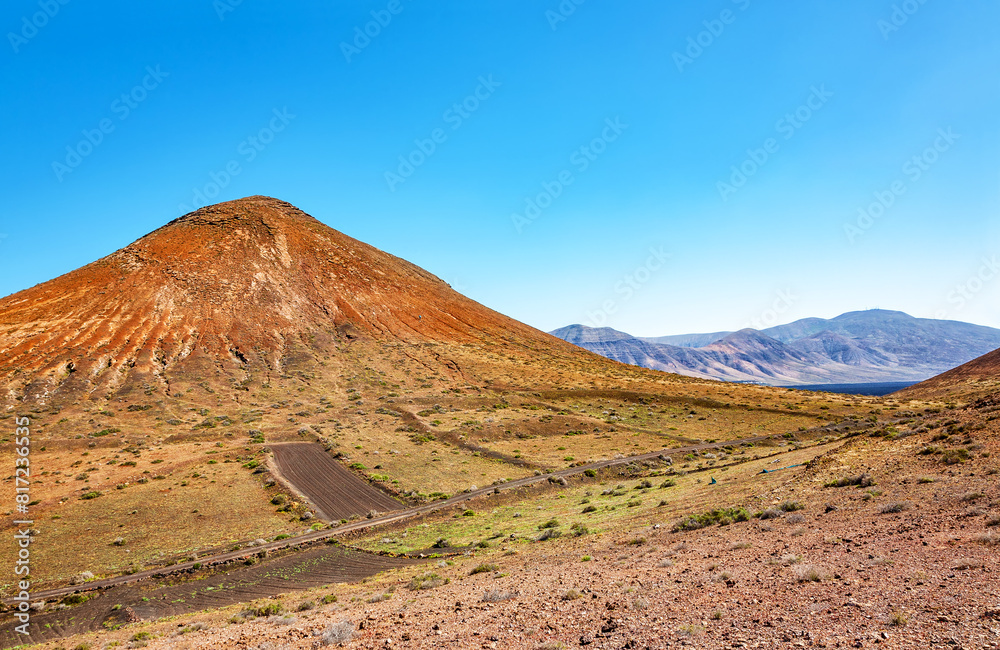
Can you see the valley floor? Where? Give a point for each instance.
(904, 555)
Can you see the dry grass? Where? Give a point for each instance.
(807, 573)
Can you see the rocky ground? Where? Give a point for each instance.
(908, 562)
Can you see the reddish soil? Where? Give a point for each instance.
(908, 560)
(320, 565)
(335, 491)
(247, 290)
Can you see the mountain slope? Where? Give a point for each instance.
(858, 347)
(243, 292)
(975, 379)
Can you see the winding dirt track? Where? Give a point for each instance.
(335, 491)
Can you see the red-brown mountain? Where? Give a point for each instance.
(237, 292)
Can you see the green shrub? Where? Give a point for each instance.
(267, 609)
(861, 480)
(955, 456)
(484, 568)
(429, 581)
(721, 516)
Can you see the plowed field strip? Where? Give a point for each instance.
(331, 487)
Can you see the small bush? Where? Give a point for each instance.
(329, 598)
(484, 568)
(807, 573)
(572, 594)
(988, 538)
(427, 581)
(378, 598)
(721, 516)
(306, 605)
(262, 611)
(955, 456)
(578, 530)
(861, 480)
(770, 513)
(496, 596)
(341, 632)
(551, 523)
(894, 507)
(91, 495)
(589, 509)
(791, 506)
(897, 619)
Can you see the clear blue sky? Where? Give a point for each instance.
(549, 85)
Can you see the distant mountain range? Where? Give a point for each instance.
(871, 346)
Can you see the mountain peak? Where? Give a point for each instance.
(246, 286)
(249, 209)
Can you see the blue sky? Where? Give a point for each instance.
(627, 123)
